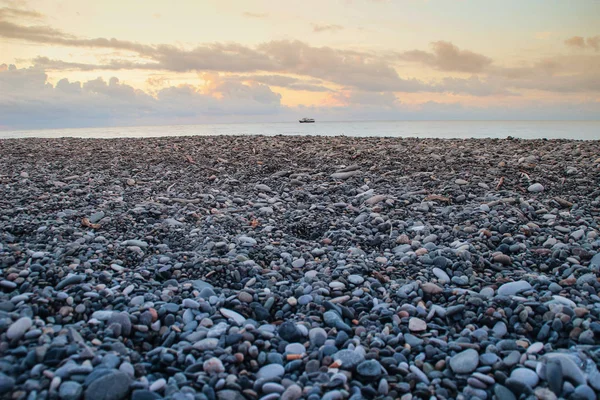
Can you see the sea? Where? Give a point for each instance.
(579, 130)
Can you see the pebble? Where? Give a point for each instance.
(331, 272)
(270, 372)
(113, 385)
(512, 288)
(464, 362)
(18, 328)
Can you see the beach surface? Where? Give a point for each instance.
(247, 267)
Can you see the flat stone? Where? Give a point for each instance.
(112, 386)
(349, 358)
(355, 279)
(270, 372)
(70, 390)
(232, 315)
(442, 276)
(207, 344)
(431, 288)
(512, 288)
(417, 325)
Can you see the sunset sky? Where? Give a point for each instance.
(79, 63)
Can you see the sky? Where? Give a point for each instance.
(81, 63)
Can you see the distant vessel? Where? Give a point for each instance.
(307, 121)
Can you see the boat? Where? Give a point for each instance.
(307, 121)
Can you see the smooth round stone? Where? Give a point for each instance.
(271, 371)
(6, 383)
(298, 263)
(337, 285)
(245, 297)
(585, 392)
(305, 299)
(18, 328)
(333, 395)
(293, 392)
(500, 329)
(535, 348)
(355, 279)
(431, 288)
(189, 303)
(369, 369)
(464, 362)
(536, 188)
(317, 336)
(417, 325)
(213, 366)
(487, 292)
(349, 358)
(526, 376)
(295, 348)
(503, 393)
(311, 274)
(441, 262)
(70, 390)
(114, 385)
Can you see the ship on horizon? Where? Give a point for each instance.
(306, 121)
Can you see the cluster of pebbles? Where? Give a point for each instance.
(291, 267)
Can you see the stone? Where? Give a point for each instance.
(369, 369)
(293, 392)
(512, 288)
(289, 332)
(431, 288)
(526, 376)
(270, 372)
(207, 344)
(349, 358)
(356, 279)
(464, 362)
(213, 366)
(232, 315)
(18, 328)
(442, 276)
(6, 383)
(417, 325)
(536, 188)
(112, 386)
(70, 390)
(317, 336)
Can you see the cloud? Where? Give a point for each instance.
(327, 27)
(286, 82)
(18, 13)
(349, 68)
(575, 41)
(361, 71)
(249, 14)
(592, 42)
(27, 100)
(448, 57)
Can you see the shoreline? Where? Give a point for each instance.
(332, 267)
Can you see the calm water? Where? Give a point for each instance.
(581, 130)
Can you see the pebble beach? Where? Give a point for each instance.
(288, 267)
